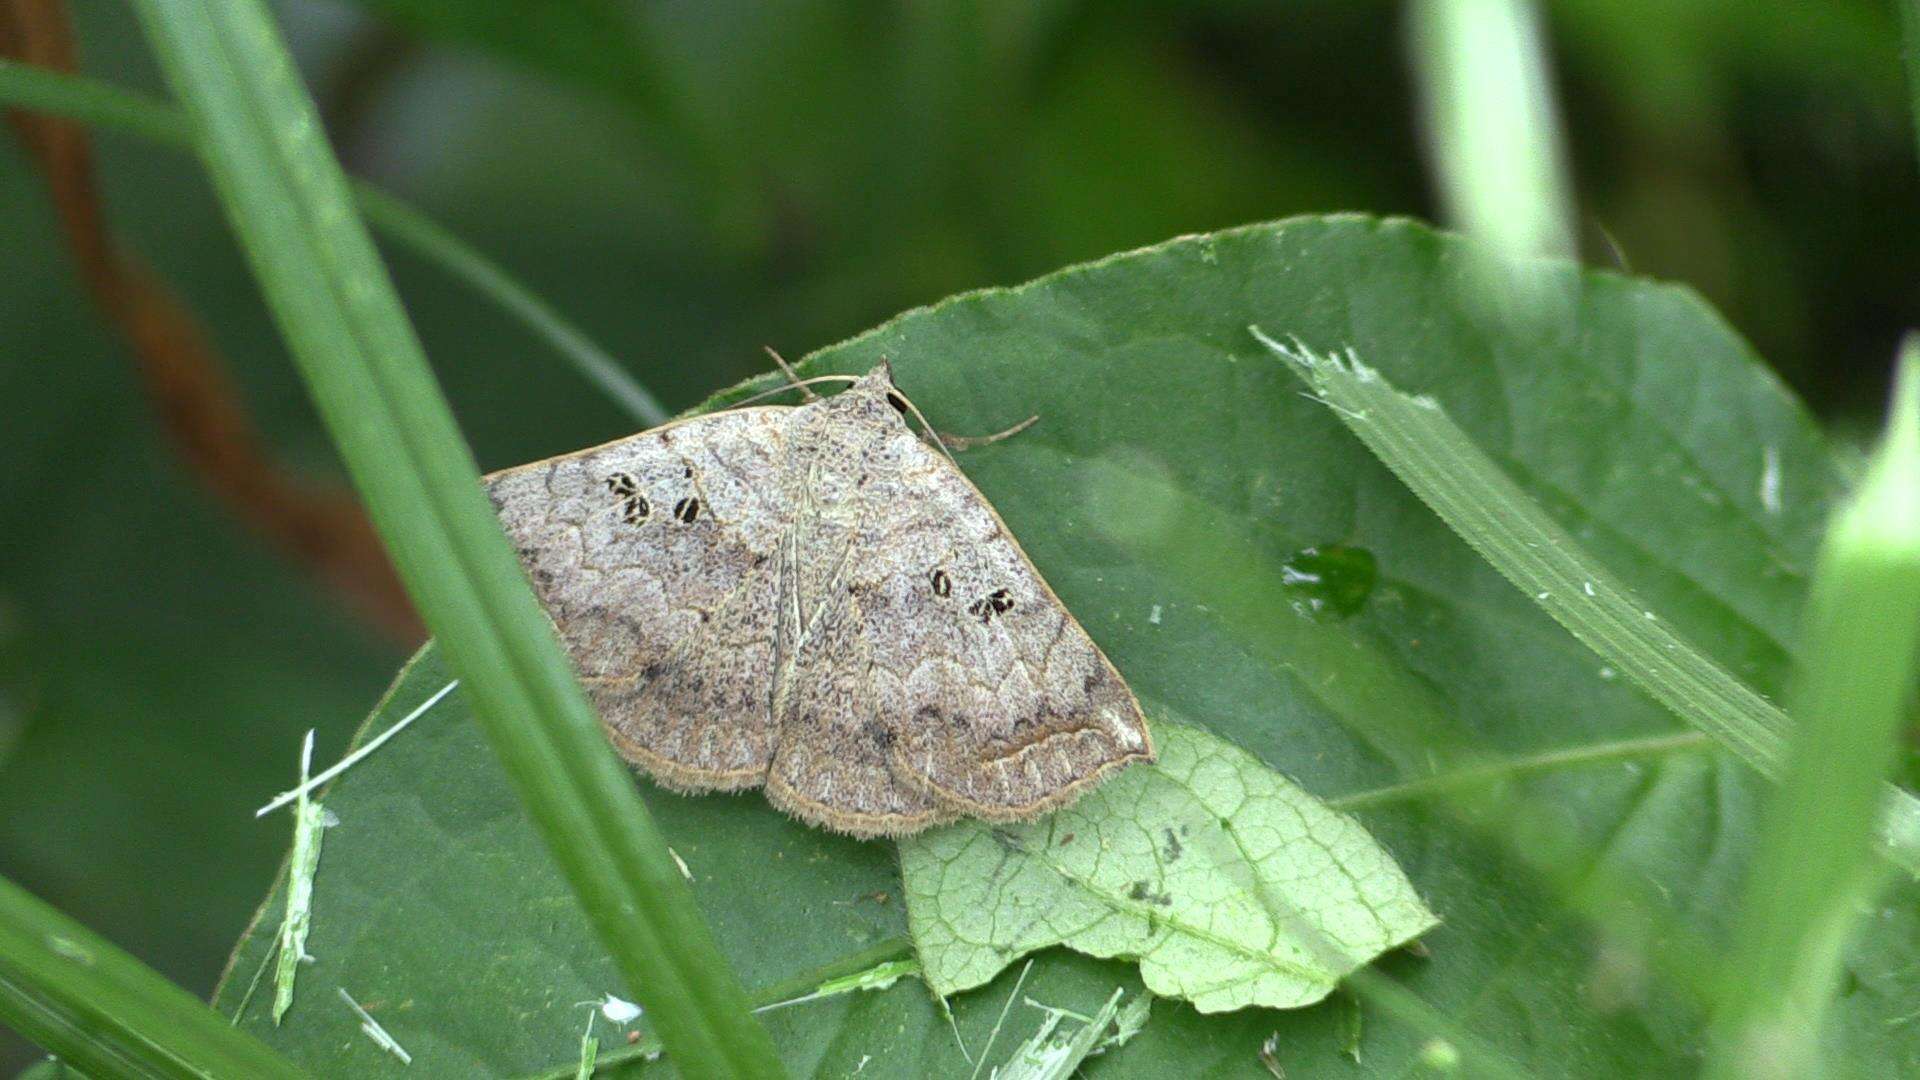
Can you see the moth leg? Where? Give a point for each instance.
(971, 442)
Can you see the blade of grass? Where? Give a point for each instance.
(104, 1012)
(90, 101)
(35, 89)
(435, 243)
(1434, 458)
(1491, 125)
(1815, 863)
(289, 203)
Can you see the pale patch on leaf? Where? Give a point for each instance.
(1230, 885)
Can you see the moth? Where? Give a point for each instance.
(812, 600)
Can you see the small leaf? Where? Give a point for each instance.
(1231, 885)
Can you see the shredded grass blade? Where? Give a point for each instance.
(1430, 454)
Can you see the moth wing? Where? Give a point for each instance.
(831, 767)
(1000, 704)
(653, 556)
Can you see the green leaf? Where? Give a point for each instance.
(1415, 682)
(1231, 885)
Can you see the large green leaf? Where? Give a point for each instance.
(1169, 493)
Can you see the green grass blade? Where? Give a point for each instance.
(104, 1012)
(24, 86)
(262, 143)
(432, 241)
(1815, 860)
(93, 102)
(1491, 125)
(1434, 458)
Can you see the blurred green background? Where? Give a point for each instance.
(693, 179)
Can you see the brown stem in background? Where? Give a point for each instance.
(320, 526)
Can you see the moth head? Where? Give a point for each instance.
(872, 398)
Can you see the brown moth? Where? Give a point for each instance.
(811, 599)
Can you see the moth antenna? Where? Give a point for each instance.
(928, 428)
(800, 385)
(791, 377)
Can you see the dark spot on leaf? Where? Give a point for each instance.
(1000, 599)
(1143, 891)
(1173, 846)
(942, 584)
(899, 403)
(687, 509)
